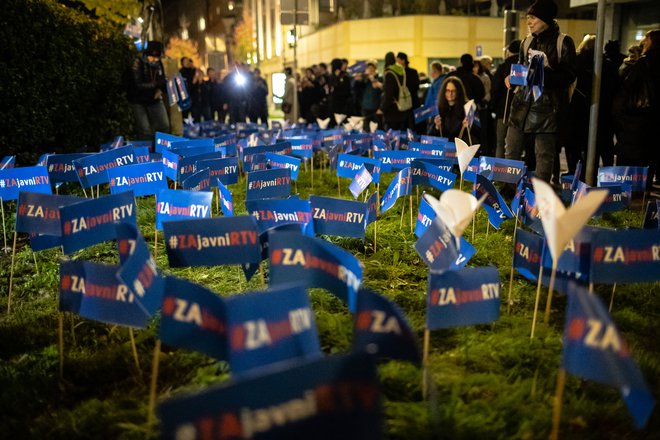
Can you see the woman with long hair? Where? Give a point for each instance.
(451, 121)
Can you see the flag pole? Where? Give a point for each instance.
(558, 403)
(11, 274)
(411, 213)
(4, 231)
(474, 220)
(612, 298)
(134, 350)
(338, 188)
(154, 382)
(508, 300)
(536, 301)
(312, 160)
(487, 228)
(551, 288)
(61, 341)
(425, 363)
(403, 209)
(155, 243)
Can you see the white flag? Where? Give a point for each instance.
(455, 208)
(560, 224)
(339, 118)
(323, 123)
(373, 126)
(464, 153)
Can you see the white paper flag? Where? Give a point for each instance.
(464, 153)
(323, 123)
(339, 118)
(373, 126)
(455, 208)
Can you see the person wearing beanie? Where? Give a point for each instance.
(542, 120)
(474, 88)
(147, 89)
(499, 95)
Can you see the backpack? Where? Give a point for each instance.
(560, 43)
(404, 102)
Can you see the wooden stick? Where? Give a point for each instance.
(61, 339)
(508, 301)
(558, 403)
(487, 228)
(216, 194)
(506, 105)
(155, 243)
(338, 188)
(154, 381)
(411, 214)
(11, 274)
(403, 209)
(375, 227)
(460, 185)
(536, 301)
(469, 136)
(612, 298)
(474, 220)
(134, 349)
(425, 363)
(548, 303)
(4, 231)
(85, 192)
(312, 167)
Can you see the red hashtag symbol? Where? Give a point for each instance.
(67, 228)
(598, 254)
(21, 209)
(276, 257)
(66, 282)
(123, 246)
(168, 306)
(112, 182)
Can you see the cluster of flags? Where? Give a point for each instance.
(269, 336)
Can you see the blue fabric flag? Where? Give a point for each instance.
(618, 198)
(61, 167)
(270, 213)
(372, 208)
(396, 160)
(437, 248)
(358, 67)
(224, 170)
(575, 258)
(625, 256)
(199, 181)
(469, 175)
(92, 168)
(360, 182)
(258, 163)
(295, 257)
(425, 216)
(268, 327)
(502, 170)
(345, 218)
(401, 185)
(268, 184)
(143, 179)
(279, 148)
(72, 285)
(494, 204)
(331, 398)
(381, 329)
(463, 297)
(282, 161)
(191, 147)
(142, 154)
(348, 165)
(106, 299)
(528, 254)
(424, 113)
(594, 349)
(650, 220)
(92, 221)
(40, 213)
(426, 174)
(32, 179)
(301, 147)
(40, 242)
(212, 241)
(635, 176)
(191, 164)
(171, 164)
(226, 199)
(518, 75)
(174, 205)
(138, 269)
(194, 318)
(7, 162)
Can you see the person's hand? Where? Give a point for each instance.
(507, 83)
(379, 112)
(377, 84)
(466, 123)
(158, 94)
(437, 121)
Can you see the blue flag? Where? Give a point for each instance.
(502, 170)
(358, 67)
(625, 256)
(302, 401)
(194, 318)
(424, 113)
(494, 204)
(463, 297)
(138, 269)
(143, 179)
(142, 154)
(528, 254)
(224, 170)
(268, 184)
(518, 75)
(271, 213)
(594, 349)
(191, 164)
(381, 329)
(372, 208)
(295, 257)
(93, 221)
(650, 220)
(618, 198)
(92, 168)
(164, 141)
(171, 164)
(106, 299)
(61, 167)
(426, 174)
(282, 161)
(265, 328)
(226, 199)
(395, 160)
(212, 241)
(432, 150)
(401, 185)
(199, 181)
(258, 163)
(72, 285)
(7, 162)
(425, 216)
(635, 176)
(360, 182)
(40, 213)
(437, 248)
(182, 205)
(348, 165)
(346, 218)
(301, 147)
(280, 148)
(425, 139)
(32, 179)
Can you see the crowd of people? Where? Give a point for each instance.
(510, 121)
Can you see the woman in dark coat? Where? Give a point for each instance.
(394, 75)
(451, 121)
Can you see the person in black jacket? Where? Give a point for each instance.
(394, 75)
(340, 91)
(412, 82)
(187, 71)
(474, 88)
(258, 108)
(451, 121)
(500, 97)
(541, 119)
(147, 88)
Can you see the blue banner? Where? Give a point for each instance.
(650, 220)
(199, 181)
(401, 185)
(171, 164)
(271, 213)
(395, 160)
(502, 170)
(72, 285)
(331, 398)
(437, 248)
(426, 174)
(228, 142)
(318, 263)
(282, 161)
(106, 299)
(381, 329)
(226, 199)
(93, 221)
(425, 112)
(360, 182)
(144, 179)
(301, 147)
(348, 165)
(142, 154)
(32, 179)
(268, 327)
(594, 349)
(191, 164)
(212, 242)
(280, 148)
(138, 269)
(92, 168)
(182, 205)
(61, 167)
(41, 242)
(268, 184)
(224, 170)
(194, 318)
(40, 213)
(463, 297)
(494, 204)
(346, 218)
(164, 141)
(625, 256)
(635, 176)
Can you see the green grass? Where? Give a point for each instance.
(488, 381)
